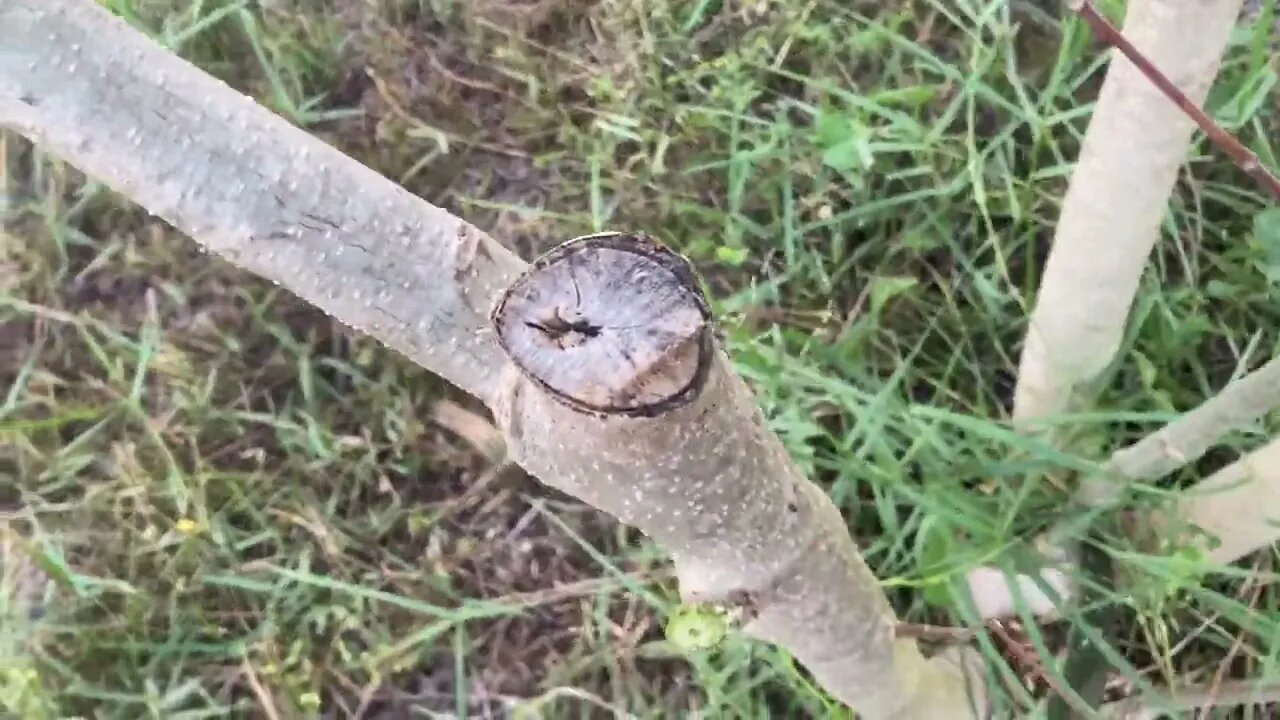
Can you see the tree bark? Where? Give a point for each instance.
(1115, 203)
(1187, 439)
(1231, 505)
(1237, 508)
(251, 187)
(609, 385)
(671, 441)
(1110, 220)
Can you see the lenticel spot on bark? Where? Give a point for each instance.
(611, 323)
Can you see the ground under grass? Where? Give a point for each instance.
(246, 508)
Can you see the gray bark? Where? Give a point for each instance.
(653, 426)
(609, 386)
(251, 187)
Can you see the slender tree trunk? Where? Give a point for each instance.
(1111, 216)
(1115, 203)
(599, 364)
(1238, 507)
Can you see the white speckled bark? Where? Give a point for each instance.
(251, 187)
(701, 474)
(704, 477)
(1187, 439)
(1117, 198)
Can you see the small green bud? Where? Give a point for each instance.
(697, 627)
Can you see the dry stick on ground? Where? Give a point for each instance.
(607, 384)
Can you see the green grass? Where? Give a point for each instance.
(247, 508)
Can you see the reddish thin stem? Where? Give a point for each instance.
(1242, 156)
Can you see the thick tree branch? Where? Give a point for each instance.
(1244, 401)
(1110, 221)
(1186, 439)
(1233, 513)
(1177, 444)
(253, 188)
(606, 383)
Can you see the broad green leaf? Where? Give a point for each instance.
(833, 128)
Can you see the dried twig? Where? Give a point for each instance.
(1253, 586)
(1145, 707)
(935, 633)
(1242, 156)
(268, 704)
(472, 427)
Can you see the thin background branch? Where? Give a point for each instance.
(1244, 158)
